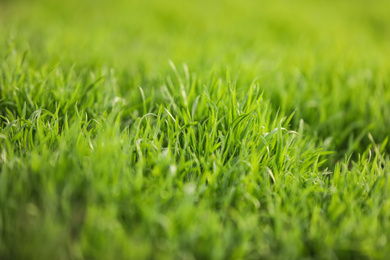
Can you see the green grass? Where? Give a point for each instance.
(194, 130)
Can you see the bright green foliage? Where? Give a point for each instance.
(270, 144)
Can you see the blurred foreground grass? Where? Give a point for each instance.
(108, 150)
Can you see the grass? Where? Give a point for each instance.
(194, 130)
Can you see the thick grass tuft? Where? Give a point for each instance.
(272, 143)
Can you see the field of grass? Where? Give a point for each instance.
(194, 129)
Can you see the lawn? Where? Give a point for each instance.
(194, 129)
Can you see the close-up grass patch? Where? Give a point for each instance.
(194, 129)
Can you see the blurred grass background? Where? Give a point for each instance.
(326, 59)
